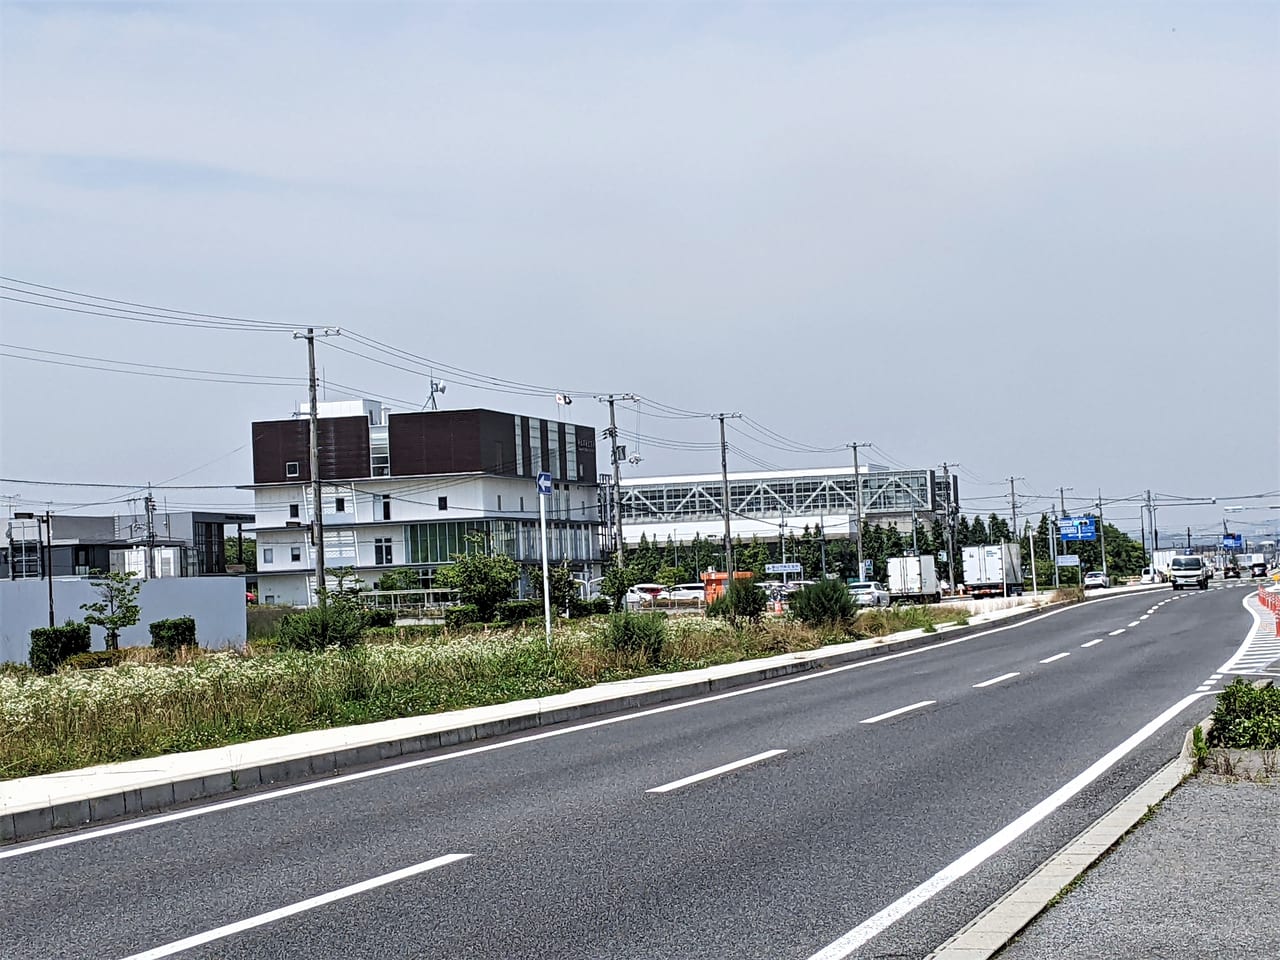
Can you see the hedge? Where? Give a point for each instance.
(50, 646)
(173, 634)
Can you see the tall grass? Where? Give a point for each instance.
(150, 705)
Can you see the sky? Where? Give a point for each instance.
(1037, 240)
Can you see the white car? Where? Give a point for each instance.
(1150, 576)
(869, 593)
(685, 591)
(644, 593)
(1096, 578)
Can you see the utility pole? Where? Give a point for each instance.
(149, 504)
(615, 459)
(1013, 505)
(1188, 538)
(857, 500)
(1062, 500)
(951, 528)
(317, 511)
(48, 533)
(1102, 534)
(724, 493)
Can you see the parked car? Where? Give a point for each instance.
(685, 591)
(1150, 575)
(644, 593)
(869, 593)
(1096, 579)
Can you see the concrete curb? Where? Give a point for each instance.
(991, 930)
(35, 806)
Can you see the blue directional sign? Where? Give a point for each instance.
(544, 484)
(1078, 528)
(1233, 541)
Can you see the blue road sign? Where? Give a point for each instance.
(1233, 541)
(1078, 528)
(544, 484)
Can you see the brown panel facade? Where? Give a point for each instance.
(586, 442)
(435, 442)
(342, 445)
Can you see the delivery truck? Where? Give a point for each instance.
(993, 570)
(913, 580)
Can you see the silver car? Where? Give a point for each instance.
(868, 593)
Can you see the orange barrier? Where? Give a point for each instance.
(1271, 601)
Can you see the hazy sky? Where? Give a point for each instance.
(1039, 240)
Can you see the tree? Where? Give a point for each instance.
(563, 587)
(646, 558)
(479, 579)
(349, 581)
(978, 535)
(118, 607)
(616, 582)
(753, 557)
(405, 578)
(964, 536)
(250, 556)
(998, 528)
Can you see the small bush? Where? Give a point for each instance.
(601, 605)
(337, 624)
(264, 621)
(1246, 718)
(513, 611)
(824, 603)
(461, 615)
(50, 646)
(170, 635)
(379, 617)
(642, 633)
(743, 599)
(94, 660)
(1067, 595)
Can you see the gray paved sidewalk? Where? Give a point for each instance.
(1200, 879)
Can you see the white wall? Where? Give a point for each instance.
(216, 603)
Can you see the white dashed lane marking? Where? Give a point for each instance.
(1093, 643)
(1056, 656)
(995, 680)
(1116, 633)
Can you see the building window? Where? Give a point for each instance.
(293, 511)
(386, 506)
(291, 469)
(269, 599)
(522, 504)
(382, 551)
(499, 501)
(438, 542)
(268, 555)
(340, 505)
(295, 554)
(442, 503)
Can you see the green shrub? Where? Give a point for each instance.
(1246, 718)
(513, 611)
(169, 635)
(601, 605)
(824, 603)
(50, 646)
(379, 617)
(743, 599)
(262, 621)
(94, 660)
(461, 615)
(642, 633)
(336, 624)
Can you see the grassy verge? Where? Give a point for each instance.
(148, 706)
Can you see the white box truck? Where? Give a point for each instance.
(993, 570)
(914, 580)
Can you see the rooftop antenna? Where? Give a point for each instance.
(436, 387)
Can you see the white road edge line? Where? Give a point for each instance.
(708, 774)
(1116, 633)
(163, 818)
(1056, 656)
(1093, 643)
(968, 862)
(995, 680)
(219, 933)
(894, 713)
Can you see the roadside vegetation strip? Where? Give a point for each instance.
(150, 706)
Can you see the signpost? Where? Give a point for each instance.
(1078, 528)
(544, 491)
(1233, 541)
(783, 568)
(1068, 560)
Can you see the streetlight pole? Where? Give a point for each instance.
(857, 501)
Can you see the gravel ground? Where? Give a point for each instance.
(1200, 879)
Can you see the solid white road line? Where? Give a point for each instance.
(1056, 656)
(1116, 633)
(1093, 643)
(855, 938)
(218, 933)
(894, 713)
(708, 774)
(995, 680)
(160, 819)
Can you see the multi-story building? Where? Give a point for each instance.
(761, 503)
(413, 489)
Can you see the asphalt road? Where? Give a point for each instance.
(569, 854)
